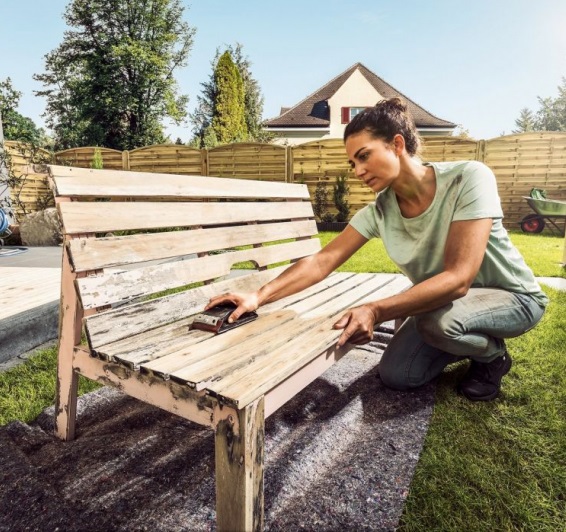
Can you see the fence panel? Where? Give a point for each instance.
(266, 162)
(521, 162)
(31, 191)
(82, 157)
(319, 159)
(448, 149)
(166, 159)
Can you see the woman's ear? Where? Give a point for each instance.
(398, 144)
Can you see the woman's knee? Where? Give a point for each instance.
(437, 326)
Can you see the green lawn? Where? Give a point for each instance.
(484, 467)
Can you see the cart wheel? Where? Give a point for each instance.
(532, 223)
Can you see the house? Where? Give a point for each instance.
(325, 113)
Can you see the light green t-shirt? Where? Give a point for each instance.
(465, 190)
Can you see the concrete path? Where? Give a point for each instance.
(29, 299)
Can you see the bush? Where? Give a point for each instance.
(320, 201)
(341, 190)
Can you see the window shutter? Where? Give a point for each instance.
(345, 115)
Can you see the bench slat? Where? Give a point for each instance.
(277, 324)
(267, 347)
(151, 345)
(105, 216)
(125, 322)
(127, 285)
(95, 253)
(116, 183)
(254, 380)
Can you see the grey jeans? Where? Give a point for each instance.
(473, 326)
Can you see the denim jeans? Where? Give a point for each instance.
(470, 327)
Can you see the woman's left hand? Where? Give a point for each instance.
(358, 324)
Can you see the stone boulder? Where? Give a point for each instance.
(41, 228)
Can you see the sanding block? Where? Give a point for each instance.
(216, 319)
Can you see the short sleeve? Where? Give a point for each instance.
(478, 197)
(365, 222)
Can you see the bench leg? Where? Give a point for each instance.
(70, 323)
(239, 470)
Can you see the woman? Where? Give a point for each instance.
(441, 224)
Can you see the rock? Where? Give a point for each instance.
(42, 228)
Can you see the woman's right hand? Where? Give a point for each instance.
(245, 302)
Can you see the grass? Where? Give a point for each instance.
(499, 465)
(494, 466)
(27, 389)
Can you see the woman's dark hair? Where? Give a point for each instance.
(384, 120)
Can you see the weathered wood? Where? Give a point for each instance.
(236, 349)
(125, 322)
(90, 254)
(146, 350)
(169, 396)
(83, 217)
(70, 321)
(124, 286)
(112, 183)
(263, 374)
(239, 457)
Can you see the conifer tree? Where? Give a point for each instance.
(228, 118)
(253, 102)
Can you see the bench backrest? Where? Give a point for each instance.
(132, 234)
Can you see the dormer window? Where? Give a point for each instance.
(349, 112)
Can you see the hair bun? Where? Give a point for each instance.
(394, 103)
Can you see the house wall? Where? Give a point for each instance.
(355, 92)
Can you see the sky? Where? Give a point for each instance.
(476, 63)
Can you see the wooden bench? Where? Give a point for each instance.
(129, 236)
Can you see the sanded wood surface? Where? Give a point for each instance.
(91, 254)
(245, 363)
(112, 183)
(100, 217)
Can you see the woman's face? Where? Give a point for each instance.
(373, 160)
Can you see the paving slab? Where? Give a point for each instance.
(29, 298)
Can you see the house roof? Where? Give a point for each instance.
(313, 111)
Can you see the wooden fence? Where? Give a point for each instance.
(520, 162)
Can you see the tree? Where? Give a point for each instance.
(15, 125)
(110, 82)
(228, 117)
(525, 122)
(253, 102)
(551, 115)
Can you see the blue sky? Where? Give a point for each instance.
(476, 63)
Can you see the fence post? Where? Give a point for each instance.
(290, 177)
(125, 160)
(204, 161)
(480, 150)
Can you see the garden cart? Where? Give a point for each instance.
(546, 210)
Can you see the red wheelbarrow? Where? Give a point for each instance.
(546, 211)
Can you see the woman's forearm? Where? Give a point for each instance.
(423, 297)
(304, 273)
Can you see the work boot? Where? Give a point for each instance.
(483, 380)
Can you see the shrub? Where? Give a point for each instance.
(341, 190)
